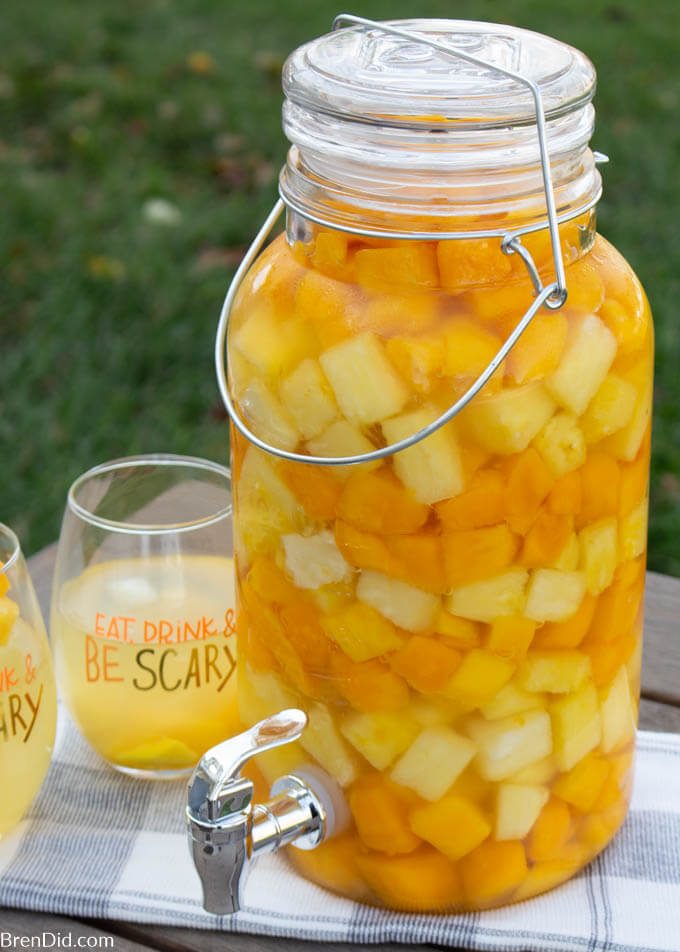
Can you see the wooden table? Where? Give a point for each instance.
(659, 710)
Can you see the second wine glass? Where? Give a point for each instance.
(142, 611)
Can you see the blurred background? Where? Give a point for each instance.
(139, 150)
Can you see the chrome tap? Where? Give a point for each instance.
(226, 830)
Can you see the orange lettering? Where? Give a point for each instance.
(126, 631)
(149, 631)
(207, 630)
(164, 632)
(92, 671)
(113, 629)
(107, 664)
(98, 628)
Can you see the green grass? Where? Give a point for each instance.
(107, 321)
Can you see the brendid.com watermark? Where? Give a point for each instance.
(55, 940)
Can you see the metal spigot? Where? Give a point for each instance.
(226, 830)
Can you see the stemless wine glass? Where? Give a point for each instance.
(142, 614)
(28, 697)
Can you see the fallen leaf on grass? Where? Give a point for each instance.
(201, 63)
(105, 268)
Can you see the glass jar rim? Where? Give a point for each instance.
(144, 460)
(15, 551)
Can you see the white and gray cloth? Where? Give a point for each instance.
(96, 844)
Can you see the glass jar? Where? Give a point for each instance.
(461, 620)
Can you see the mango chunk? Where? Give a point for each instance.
(469, 349)
(466, 263)
(457, 632)
(380, 817)
(377, 502)
(474, 554)
(454, 825)
(433, 762)
(480, 675)
(366, 385)
(493, 871)
(315, 488)
(510, 743)
(423, 881)
(529, 482)
(537, 353)
(361, 632)
(368, 686)
(9, 612)
(550, 832)
(600, 486)
(510, 636)
(432, 468)
(588, 354)
(425, 663)
(582, 785)
(480, 505)
(546, 540)
(379, 737)
(571, 632)
(407, 263)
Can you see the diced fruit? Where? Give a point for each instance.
(368, 686)
(423, 881)
(490, 598)
(408, 262)
(333, 865)
(315, 487)
(511, 699)
(265, 505)
(537, 353)
(343, 439)
(4, 581)
(271, 689)
(554, 595)
(492, 871)
(327, 306)
(426, 663)
(537, 774)
(605, 659)
(403, 604)
(581, 786)
(304, 632)
(481, 504)
(469, 349)
(517, 809)
(379, 737)
(625, 444)
(510, 743)
(457, 632)
(565, 497)
(315, 560)
(9, 612)
(576, 726)
(466, 263)
(561, 444)
(361, 632)
(510, 636)
(272, 345)
(546, 540)
(322, 740)
(377, 502)
(529, 482)
(634, 484)
(600, 482)
(267, 417)
(550, 831)
(633, 532)
(599, 554)
(506, 422)
(474, 554)
(366, 385)
(587, 357)
(330, 251)
(431, 711)
(610, 409)
(433, 762)
(308, 399)
(585, 285)
(570, 556)
(618, 717)
(418, 359)
(419, 560)
(569, 633)
(554, 672)
(454, 825)
(408, 312)
(617, 608)
(432, 468)
(479, 677)
(380, 817)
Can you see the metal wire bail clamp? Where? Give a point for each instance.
(552, 295)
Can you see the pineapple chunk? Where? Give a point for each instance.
(315, 560)
(626, 443)
(432, 711)
(431, 469)
(404, 604)
(308, 399)
(618, 717)
(554, 672)
(537, 774)
(323, 741)
(510, 743)
(506, 422)
(9, 612)
(380, 737)
(633, 532)
(366, 385)
(577, 726)
(511, 699)
(554, 595)
(267, 417)
(454, 825)
(517, 809)
(434, 760)
(271, 345)
(361, 632)
(586, 359)
(478, 678)
(343, 439)
(490, 598)
(561, 444)
(265, 505)
(610, 409)
(599, 554)
(241, 371)
(570, 555)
